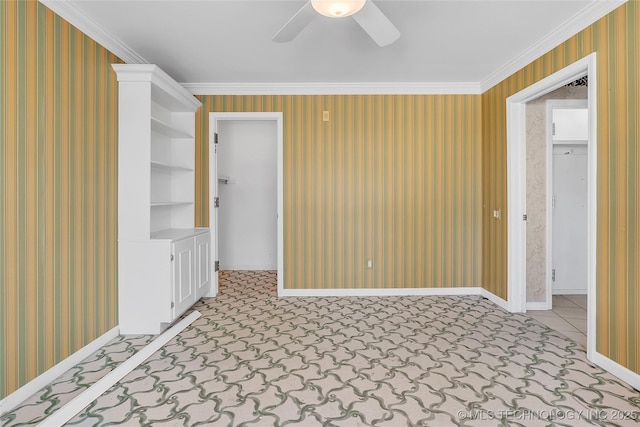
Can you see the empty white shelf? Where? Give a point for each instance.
(156, 204)
(169, 167)
(165, 129)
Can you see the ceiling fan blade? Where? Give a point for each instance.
(376, 24)
(300, 20)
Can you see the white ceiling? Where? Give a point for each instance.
(462, 46)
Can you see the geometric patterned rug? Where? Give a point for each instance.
(253, 359)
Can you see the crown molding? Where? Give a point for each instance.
(69, 11)
(333, 88)
(579, 22)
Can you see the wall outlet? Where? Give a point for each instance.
(497, 214)
(325, 116)
(369, 263)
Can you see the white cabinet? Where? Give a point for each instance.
(161, 278)
(203, 263)
(184, 272)
(161, 267)
(191, 270)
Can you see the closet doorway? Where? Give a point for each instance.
(568, 179)
(245, 192)
(516, 187)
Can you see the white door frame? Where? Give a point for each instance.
(214, 118)
(517, 186)
(550, 105)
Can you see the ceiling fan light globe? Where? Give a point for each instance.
(337, 8)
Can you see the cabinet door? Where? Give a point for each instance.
(203, 264)
(183, 276)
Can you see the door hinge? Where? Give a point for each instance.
(524, 217)
(216, 202)
(553, 129)
(553, 202)
(553, 275)
(172, 304)
(215, 138)
(171, 257)
(216, 266)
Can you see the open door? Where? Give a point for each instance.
(215, 177)
(214, 202)
(568, 219)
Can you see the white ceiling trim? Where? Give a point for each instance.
(579, 22)
(78, 18)
(68, 10)
(333, 88)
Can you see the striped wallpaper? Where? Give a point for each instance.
(616, 39)
(395, 179)
(58, 174)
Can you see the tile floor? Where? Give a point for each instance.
(568, 316)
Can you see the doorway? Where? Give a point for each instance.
(516, 185)
(565, 101)
(247, 219)
(569, 139)
(245, 192)
(557, 193)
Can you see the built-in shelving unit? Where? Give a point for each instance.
(164, 264)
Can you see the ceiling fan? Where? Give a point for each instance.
(364, 12)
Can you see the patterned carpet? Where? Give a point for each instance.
(255, 360)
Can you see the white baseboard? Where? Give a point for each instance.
(538, 306)
(625, 374)
(378, 292)
(569, 292)
(394, 292)
(503, 304)
(44, 379)
(73, 407)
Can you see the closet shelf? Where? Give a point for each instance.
(178, 233)
(168, 167)
(157, 204)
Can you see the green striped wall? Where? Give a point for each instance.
(616, 39)
(58, 174)
(399, 179)
(395, 179)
